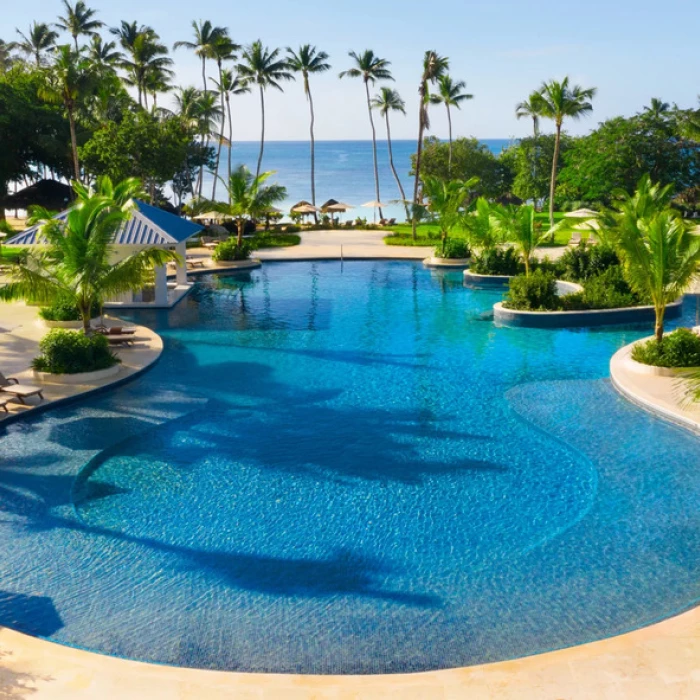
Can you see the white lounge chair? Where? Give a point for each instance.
(11, 385)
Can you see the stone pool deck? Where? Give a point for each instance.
(659, 662)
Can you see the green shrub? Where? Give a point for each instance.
(497, 261)
(453, 248)
(64, 310)
(292, 228)
(582, 262)
(608, 290)
(70, 352)
(538, 292)
(230, 250)
(681, 348)
(275, 240)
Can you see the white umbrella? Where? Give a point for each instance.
(306, 209)
(374, 205)
(581, 214)
(211, 216)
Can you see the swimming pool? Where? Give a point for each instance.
(349, 469)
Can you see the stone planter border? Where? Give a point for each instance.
(446, 262)
(80, 378)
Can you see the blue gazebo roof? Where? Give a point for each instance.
(148, 226)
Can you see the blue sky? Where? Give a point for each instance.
(631, 50)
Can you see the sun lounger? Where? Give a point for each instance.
(195, 262)
(11, 385)
(124, 340)
(4, 400)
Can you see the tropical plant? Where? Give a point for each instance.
(450, 94)
(532, 109)
(264, 68)
(370, 68)
(518, 226)
(308, 60)
(103, 54)
(657, 109)
(680, 348)
(229, 85)
(224, 49)
(249, 197)
(205, 37)
(434, 67)
(481, 226)
(387, 101)
(559, 101)
(446, 199)
(69, 352)
(535, 292)
(79, 20)
(6, 60)
(660, 255)
(37, 42)
(76, 261)
(68, 81)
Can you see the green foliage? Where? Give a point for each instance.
(622, 150)
(453, 248)
(584, 261)
(536, 292)
(607, 290)
(497, 261)
(139, 145)
(276, 240)
(231, 250)
(681, 348)
(469, 159)
(71, 352)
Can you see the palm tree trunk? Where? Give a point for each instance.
(449, 125)
(534, 158)
(393, 169)
(553, 181)
(419, 153)
(241, 228)
(659, 324)
(374, 147)
(75, 41)
(230, 140)
(313, 146)
(204, 74)
(73, 142)
(262, 131)
(218, 150)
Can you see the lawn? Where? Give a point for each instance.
(275, 240)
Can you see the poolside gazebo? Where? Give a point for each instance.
(148, 227)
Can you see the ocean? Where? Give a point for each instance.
(344, 171)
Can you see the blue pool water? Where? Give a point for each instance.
(349, 469)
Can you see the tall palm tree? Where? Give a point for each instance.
(434, 67)
(79, 20)
(145, 55)
(205, 37)
(657, 108)
(103, 54)
(77, 264)
(230, 85)
(450, 94)
(5, 56)
(249, 197)
(532, 109)
(264, 68)
(224, 49)
(387, 101)
(445, 200)
(370, 68)
(518, 225)
(67, 82)
(660, 256)
(308, 60)
(560, 101)
(37, 42)
(157, 80)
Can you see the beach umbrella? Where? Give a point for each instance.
(212, 216)
(374, 204)
(581, 214)
(305, 209)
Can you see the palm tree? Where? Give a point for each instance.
(77, 264)
(560, 101)
(660, 256)
(386, 101)
(307, 61)
(37, 41)
(230, 85)
(264, 68)
(434, 67)
(79, 20)
(518, 225)
(249, 197)
(205, 37)
(532, 109)
(450, 94)
(223, 50)
(103, 54)
(5, 56)
(445, 199)
(156, 80)
(67, 82)
(658, 109)
(370, 68)
(482, 226)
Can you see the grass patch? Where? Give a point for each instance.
(10, 254)
(275, 240)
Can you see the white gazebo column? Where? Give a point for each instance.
(161, 285)
(181, 250)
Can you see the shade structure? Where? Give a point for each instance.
(212, 216)
(374, 204)
(50, 194)
(305, 209)
(581, 214)
(338, 207)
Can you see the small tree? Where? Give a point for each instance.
(482, 227)
(76, 263)
(249, 197)
(518, 225)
